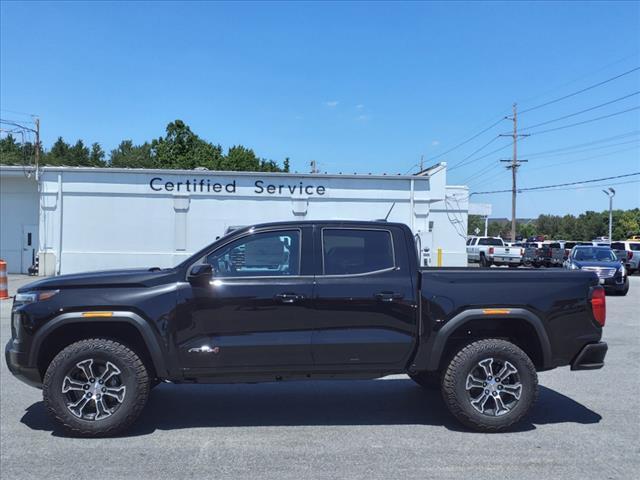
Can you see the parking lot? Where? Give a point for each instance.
(585, 425)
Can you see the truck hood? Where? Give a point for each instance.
(107, 278)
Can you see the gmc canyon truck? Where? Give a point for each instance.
(300, 301)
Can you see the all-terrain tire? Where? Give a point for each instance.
(132, 373)
(428, 380)
(455, 381)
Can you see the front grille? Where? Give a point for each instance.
(602, 272)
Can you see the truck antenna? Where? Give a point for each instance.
(389, 212)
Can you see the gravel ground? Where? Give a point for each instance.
(585, 425)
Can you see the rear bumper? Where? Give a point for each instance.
(591, 357)
(17, 361)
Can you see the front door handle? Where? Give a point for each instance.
(388, 296)
(289, 297)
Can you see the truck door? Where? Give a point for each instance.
(254, 314)
(365, 305)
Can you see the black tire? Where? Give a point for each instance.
(428, 380)
(484, 263)
(465, 363)
(625, 289)
(131, 374)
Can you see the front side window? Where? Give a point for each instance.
(352, 251)
(261, 254)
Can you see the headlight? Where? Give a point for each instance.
(30, 297)
(623, 272)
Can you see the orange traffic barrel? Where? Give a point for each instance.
(4, 284)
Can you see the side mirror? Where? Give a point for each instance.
(201, 274)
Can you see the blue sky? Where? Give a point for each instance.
(358, 87)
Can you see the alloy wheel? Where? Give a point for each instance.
(494, 387)
(94, 389)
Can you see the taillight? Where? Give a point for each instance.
(629, 255)
(490, 250)
(521, 251)
(599, 305)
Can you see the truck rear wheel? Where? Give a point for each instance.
(489, 385)
(96, 387)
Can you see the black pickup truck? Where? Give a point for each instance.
(302, 300)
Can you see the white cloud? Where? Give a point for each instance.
(360, 106)
(435, 143)
(332, 103)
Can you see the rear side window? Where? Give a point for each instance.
(617, 246)
(634, 246)
(352, 251)
(496, 242)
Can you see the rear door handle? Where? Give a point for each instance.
(388, 296)
(289, 297)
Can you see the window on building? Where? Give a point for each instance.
(261, 254)
(351, 251)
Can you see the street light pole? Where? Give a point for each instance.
(610, 192)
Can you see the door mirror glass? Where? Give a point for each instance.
(200, 274)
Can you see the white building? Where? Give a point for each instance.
(78, 219)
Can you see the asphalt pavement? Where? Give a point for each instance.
(585, 425)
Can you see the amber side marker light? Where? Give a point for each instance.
(97, 314)
(496, 311)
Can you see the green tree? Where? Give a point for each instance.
(183, 149)
(475, 221)
(59, 153)
(11, 152)
(128, 155)
(96, 157)
(78, 155)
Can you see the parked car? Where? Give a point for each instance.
(629, 252)
(568, 246)
(601, 260)
(492, 251)
(551, 254)
(303, 300)
(532, 254)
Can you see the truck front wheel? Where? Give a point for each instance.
(489, 385)
(96, 387)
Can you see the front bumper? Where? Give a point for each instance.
(17, 363)
(591, 357)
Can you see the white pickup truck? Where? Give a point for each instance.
(492, 251)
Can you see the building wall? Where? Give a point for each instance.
(18, 209)
(93, 219)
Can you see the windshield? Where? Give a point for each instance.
(594, 255)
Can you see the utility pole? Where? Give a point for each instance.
(610, 193)
(421, 163)
(37, 152)
(515, 163)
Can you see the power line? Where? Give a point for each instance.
(462, 162)
(469, 139)
(576, 79)
(545, 153)
(572, 150)
(585, 121)
(580, 91)
(540, 167)
(529, 189)
(582, 111)
(588, 186)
